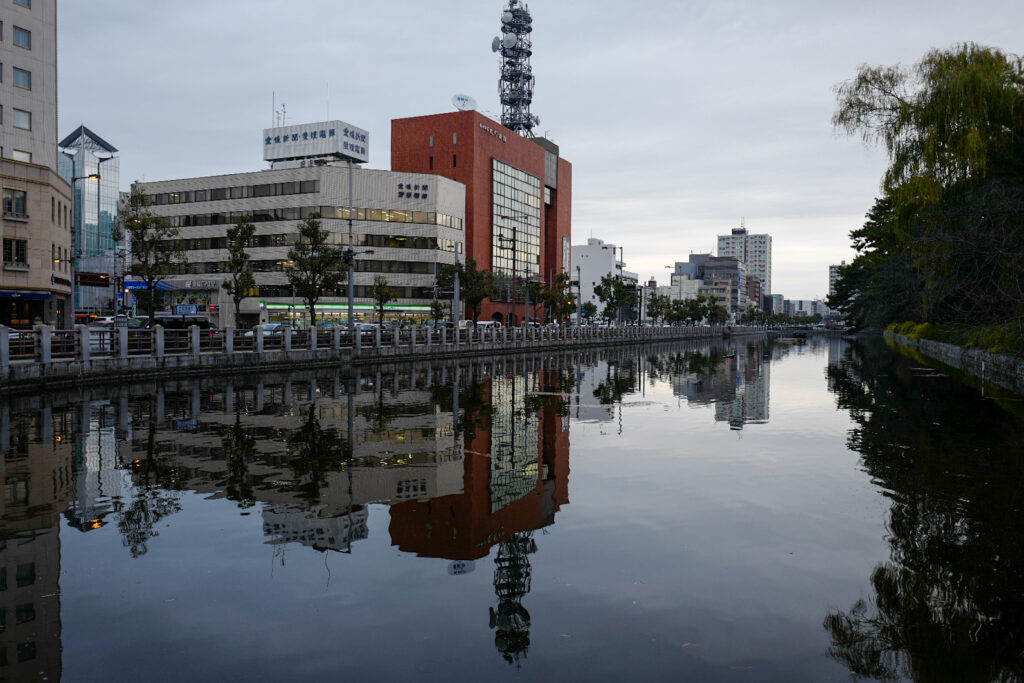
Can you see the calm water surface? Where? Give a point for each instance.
(754, 512)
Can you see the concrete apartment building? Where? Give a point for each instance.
(405, 225)
(753, 250)
(35, 278)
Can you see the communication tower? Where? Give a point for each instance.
(515, 87)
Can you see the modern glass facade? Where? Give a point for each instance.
(94, 214)
(515, 224)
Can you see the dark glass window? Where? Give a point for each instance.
(25, 613)
(23, 3)
(22, 78)
(26, 574)
(22, 37)
(26, 652)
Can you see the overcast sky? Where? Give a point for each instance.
(680, 117)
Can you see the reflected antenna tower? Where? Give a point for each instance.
(515, 87)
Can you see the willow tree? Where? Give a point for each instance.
(953, 127)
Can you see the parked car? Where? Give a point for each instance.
(488, 324)
(270, 330)
(173, 322)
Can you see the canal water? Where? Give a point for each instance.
(745, 512)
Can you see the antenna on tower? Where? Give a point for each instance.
(515, 86)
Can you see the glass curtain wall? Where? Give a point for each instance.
(515, 229)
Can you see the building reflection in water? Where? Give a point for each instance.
(36, 456)
(471, 459)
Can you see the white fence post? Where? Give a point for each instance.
(258, 339)
(229, 340)
(287, 341)
(193, 340)
(312, 338)
(45, 334)
(159, 343)
(82, 338)
(5, 347)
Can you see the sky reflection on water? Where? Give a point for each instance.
(756, 511)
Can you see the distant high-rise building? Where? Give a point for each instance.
(833, 277)
(753, 250)
(36, 271)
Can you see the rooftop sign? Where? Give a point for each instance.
(327, 138)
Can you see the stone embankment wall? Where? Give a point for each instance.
(1001, 369)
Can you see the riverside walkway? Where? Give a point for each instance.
(49, 358)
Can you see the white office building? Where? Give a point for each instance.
(594, 260)
(405, 227)
(753, 250)
(833, 277)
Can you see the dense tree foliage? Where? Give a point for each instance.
(945, 242)
(474, 285)
(317, 268)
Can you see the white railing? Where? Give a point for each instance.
(48, 346)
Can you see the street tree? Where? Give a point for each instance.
(317, 269)
(153, 247)
(382, 295)
(475, 285)
(240, 282)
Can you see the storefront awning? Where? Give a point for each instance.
(22, 294)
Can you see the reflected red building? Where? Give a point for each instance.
(516, 478)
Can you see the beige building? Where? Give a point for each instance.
(35, 278)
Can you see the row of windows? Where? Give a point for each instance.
(359, 240)
(295, 213)
(21, 37)
(281, 266)
(359, 292)
(22, 78)
(515, 226)
(24, 575)
(236, 192)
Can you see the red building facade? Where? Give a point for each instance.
(518, 199)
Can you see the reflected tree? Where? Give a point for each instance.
(239, 448)
(153, 499)
(947, 604)
(315, 452)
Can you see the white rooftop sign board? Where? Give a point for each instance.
(328, 138)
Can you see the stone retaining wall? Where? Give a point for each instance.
(1001, 369)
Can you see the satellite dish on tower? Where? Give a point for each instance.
(496, 44)
(506, 17)
(509, 41)
(464, 102)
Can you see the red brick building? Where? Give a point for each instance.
(518, 198)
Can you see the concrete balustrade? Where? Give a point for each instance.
(27, 356)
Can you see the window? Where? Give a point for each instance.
(22, 38)
(16, 251)
(22, 119)
(431, 163)
(23, 3)
(15, 202)
(431, 140)
(26, 574)
(455, 161)
(19, 155)
(22, 78)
